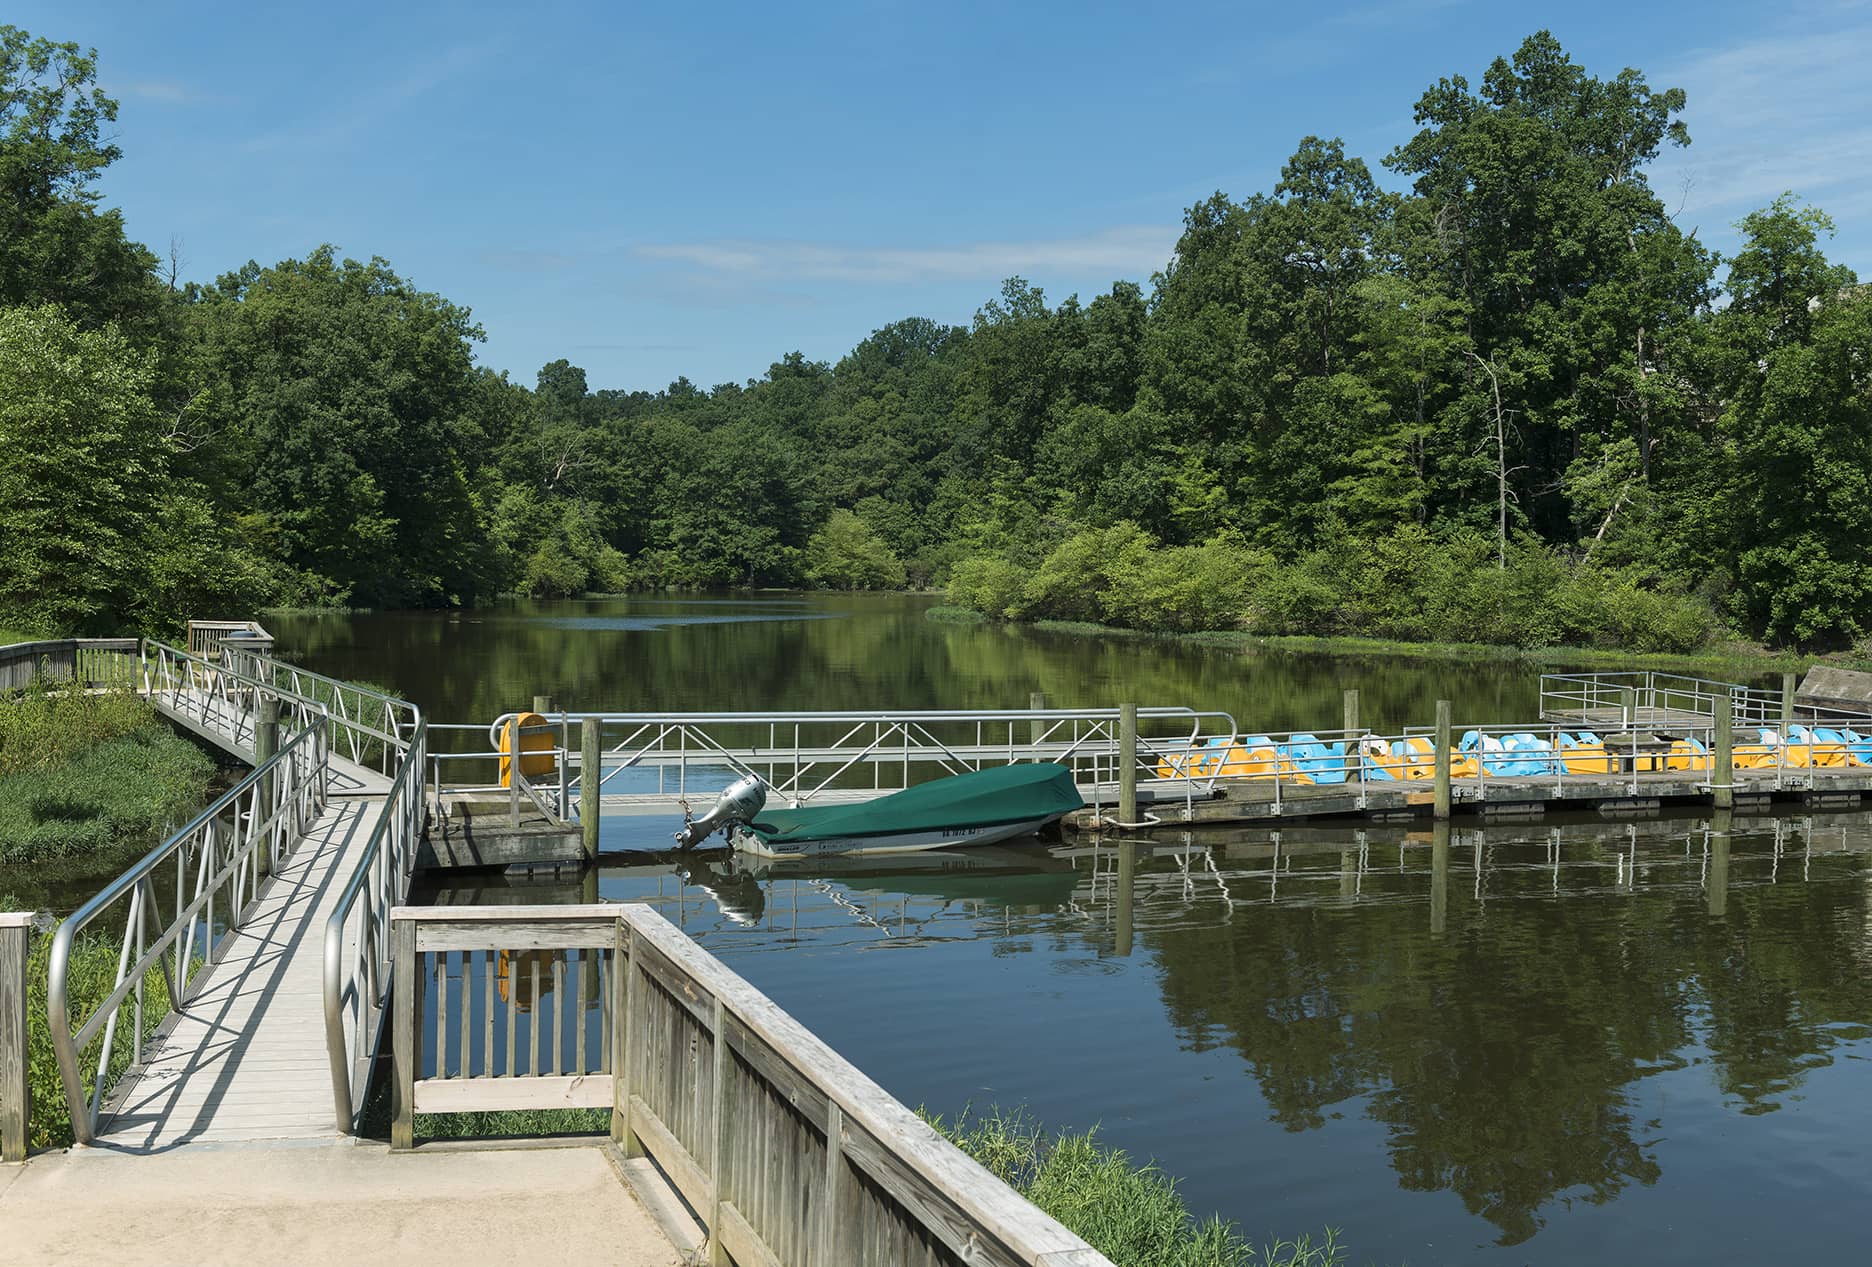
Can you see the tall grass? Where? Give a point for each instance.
(91, 774)
(1130, 1213)
(91, 975)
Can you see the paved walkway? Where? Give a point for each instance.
(246, 1060)
(322, 1203)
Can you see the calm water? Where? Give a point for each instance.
(1538, 1044)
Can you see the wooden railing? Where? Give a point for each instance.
(206, 636)
(88, 661)
(791, 1155)
(15, 1100)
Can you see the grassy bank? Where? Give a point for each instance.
(1734, 658)
(90, 977)
(1130, 1213)
(91, 775)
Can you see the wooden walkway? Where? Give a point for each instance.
(246, 1060)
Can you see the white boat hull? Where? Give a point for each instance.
(901, 842)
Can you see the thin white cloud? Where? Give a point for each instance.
(1133, 251)
(369, 111)
(1787, 112)
(171, 92)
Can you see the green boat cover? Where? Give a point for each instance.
(984, 798)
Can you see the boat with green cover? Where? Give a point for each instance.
(978, 808)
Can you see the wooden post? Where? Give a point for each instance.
(718, 1154)
(1440, 805)
(1127, 763)
(266, 746)
(1127, 884)
(1788, 688)
(1717, 883)
(15, 1092)
(406, 998)
(543, 705)
(1351, 712)
(1722, 772)
(1036, 730)
(1628, 706)
(624, 997)
(830, 1243)
(1439, 877)
(591, 786)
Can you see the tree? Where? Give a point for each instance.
(847, 554)
(55, 245)
(97, 531)
(346, 399)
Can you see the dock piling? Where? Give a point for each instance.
(1351, 712)
(591, 786)
(1036, 729)
(1722, 772)
(1440, 805)
(1717, 881)
(1628, 706)
(1788, 688)
(1127, 763)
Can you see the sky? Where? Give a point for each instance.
(664, 190)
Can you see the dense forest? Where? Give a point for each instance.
(1516, 402)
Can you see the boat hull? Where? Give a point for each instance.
(916, 841)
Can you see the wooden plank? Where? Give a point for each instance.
(683, 1169)
(791, 1085)
(682, 985)
(519, 935)
(743, 1245)
(830, 1240)
(465, 1095)
(622, 968)
(15, 1093)
(991, 1212)
(590, 912)
(721, 1114)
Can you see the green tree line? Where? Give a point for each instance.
(1338, 408)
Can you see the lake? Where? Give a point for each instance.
(1539, 1043)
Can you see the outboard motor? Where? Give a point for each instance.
(739, 804)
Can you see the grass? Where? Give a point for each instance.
(1130, 1213)
(91, 974)
(91, 774)
(1744, 657)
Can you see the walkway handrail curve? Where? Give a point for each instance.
(367, 739)
(270, 807)
(377, 885)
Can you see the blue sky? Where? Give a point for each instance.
(655, 190)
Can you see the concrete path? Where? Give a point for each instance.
(337, 1202)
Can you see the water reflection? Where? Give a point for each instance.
(1525, 1015)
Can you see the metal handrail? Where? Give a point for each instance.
(361, 990)
(1087, 739)
(270, 807)
(390, 730)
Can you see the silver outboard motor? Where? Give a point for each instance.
(739, 804)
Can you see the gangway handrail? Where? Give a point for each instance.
(270, 807)
(379, 881)
(398, 717)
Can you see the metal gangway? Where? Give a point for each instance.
(655, 762)
(264, 920)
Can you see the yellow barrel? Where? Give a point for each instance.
(537, 751)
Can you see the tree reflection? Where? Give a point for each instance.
(1504, 1055)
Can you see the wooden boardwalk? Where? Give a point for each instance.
(246, 1060)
